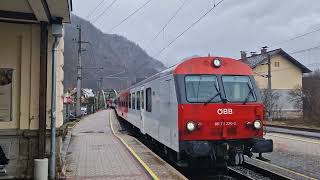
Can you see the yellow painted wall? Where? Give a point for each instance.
(12, 38)
(286, 76)
(20, 50)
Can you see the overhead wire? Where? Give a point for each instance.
(283, 69)
(168, 22)
(189, 27)
(295, 37)
(305, 50)
(94, 9)
(130, 15)
(103, 12)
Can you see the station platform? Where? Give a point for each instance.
(98, 150)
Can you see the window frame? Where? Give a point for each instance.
(148, 105)
(142, 99)
(185, 87)
(138, 100)
(129, 101)
(254, 89)
(133, 100)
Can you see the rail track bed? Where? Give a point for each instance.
(252, 172)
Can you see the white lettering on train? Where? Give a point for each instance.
(224, 111)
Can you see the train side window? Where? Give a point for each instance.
(133, 101)
(129, 101)
(142, 100)
(148, 99)
(138, 100)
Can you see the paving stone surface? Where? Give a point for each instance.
(161, 168)
(95, 153)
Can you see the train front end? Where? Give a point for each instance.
(221, 115)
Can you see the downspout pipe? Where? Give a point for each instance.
(52, 163)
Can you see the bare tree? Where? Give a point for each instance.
(272, 107)
(296, 97)
(311, 96)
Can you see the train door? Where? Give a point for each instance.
(142, 109)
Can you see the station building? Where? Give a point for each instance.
(286, 76)
(27, 34)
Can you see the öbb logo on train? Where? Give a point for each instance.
(224, 111)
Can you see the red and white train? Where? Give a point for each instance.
(204, 109)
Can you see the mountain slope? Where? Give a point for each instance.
(116, 54)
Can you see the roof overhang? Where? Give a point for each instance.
(303, 68)
(35, 11)
(276, 52)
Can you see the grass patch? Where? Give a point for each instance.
(296, 123)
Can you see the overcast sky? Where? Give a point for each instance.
(233, 26)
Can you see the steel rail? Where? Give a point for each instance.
(242, 174)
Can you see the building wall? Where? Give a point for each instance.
(286, 76)
(20, 50)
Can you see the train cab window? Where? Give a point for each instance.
(148, 100)
(238, 89)
(202, 88)
(129, 101)
(133, 101)
(142, 100)
(138, 100)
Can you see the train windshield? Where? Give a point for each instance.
(200, 88)
(238, 89)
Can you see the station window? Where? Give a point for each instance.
(129, 100)
(277, 64)
(133, 101)
(142, 100)
(138, 100)
(148, 99)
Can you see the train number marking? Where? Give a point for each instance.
(228, 123)
(224, 111)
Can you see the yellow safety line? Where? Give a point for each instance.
(285, 169)
(152, 174)
(295, 139)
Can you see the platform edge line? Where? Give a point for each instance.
(147, 168)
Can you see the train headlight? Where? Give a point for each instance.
(216, 62)
(257, 124)
(191, 126)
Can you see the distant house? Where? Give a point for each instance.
(286, 75)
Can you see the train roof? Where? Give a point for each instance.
(203, 65)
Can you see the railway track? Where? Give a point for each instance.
(250, 171)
